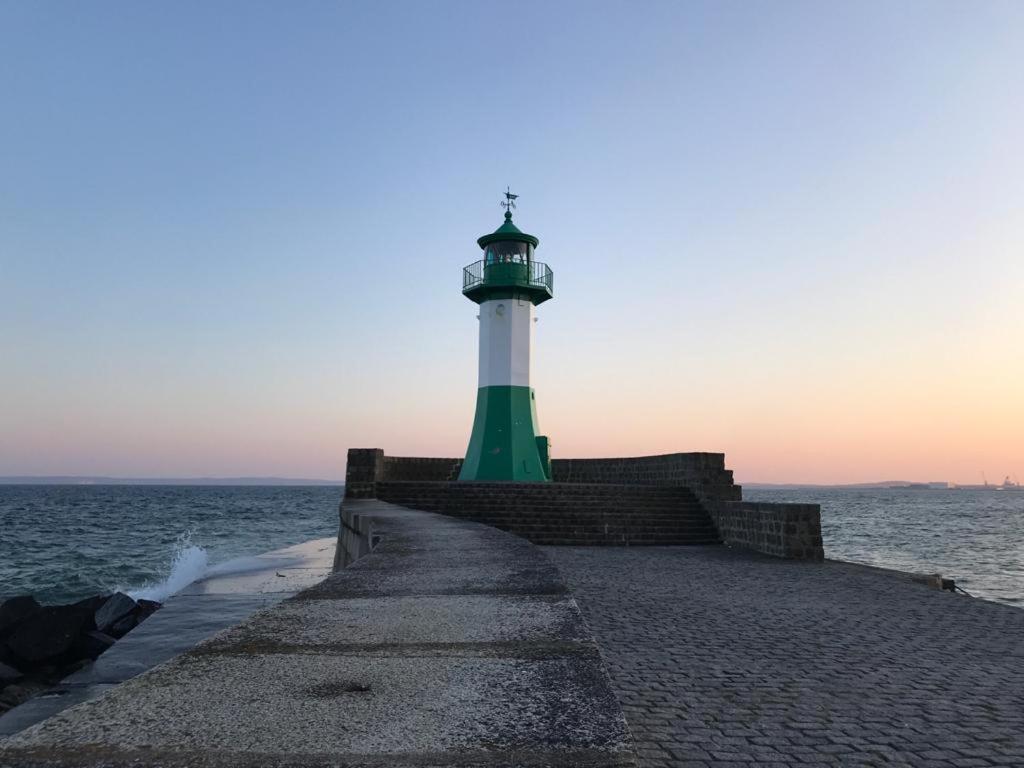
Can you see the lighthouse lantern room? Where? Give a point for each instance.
(507, 283)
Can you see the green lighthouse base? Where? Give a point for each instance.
(505, 445)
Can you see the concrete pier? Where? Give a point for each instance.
(450, 643)
(200, 610)
(446, 642)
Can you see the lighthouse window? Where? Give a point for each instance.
(508, 252)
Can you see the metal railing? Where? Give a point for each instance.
(529, 273)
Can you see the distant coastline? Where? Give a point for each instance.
(876, 486)
(306, 481)
(100, 480)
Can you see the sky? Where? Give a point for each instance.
(232, 233)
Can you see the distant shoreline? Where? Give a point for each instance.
(192, 481)
(892, 485)
(303, 481)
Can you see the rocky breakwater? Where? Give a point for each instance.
(42, 644)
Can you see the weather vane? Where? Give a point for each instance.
(510, 200)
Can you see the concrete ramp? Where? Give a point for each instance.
(449, 644)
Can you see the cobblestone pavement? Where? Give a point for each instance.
(723, 658)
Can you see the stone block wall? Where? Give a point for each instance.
(364, 470)
(704, 473)
(414, 468)
(781, 530)
(573, 514)
(791, 531)
(369, 466)
(355, 538)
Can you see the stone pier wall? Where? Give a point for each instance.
(792, 531)
(705, 473)
(355, 538)
(369, 466)
(781, 530)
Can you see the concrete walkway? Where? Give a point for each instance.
(200, 610)
(722, 658)
(451, 644)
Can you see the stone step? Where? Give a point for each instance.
(597, 528)
(604, 530)
(612, 521)
(574, 502)
(591, 520)
(585, 514)
(601, 543)
(551, 507)
(608, 506)
(560, 503)
(539, 489)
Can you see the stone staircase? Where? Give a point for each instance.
(566, 513)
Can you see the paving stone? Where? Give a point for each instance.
(758, 661)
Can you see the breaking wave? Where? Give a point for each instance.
(190, 563)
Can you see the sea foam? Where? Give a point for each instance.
(188, 564)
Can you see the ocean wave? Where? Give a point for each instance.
(124, 536)
(190, 563)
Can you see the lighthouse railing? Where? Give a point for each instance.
(536, 274)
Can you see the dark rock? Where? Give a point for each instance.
(8, 674)
(51, 632)
(47, 672)
(113, 610)
(147, 608)
(22, 691)
(14, 610)
(73, 667)
(91, 605)
(6, 656)
(91, 645)
(123, 626)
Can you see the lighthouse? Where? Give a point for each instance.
(507, 283)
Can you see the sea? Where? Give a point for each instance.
(66, 542)
(975, 537)
(62, 543)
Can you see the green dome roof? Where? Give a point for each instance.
(508, 231)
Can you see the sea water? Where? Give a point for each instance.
(66, 542)
(973, 536)
(62, 543)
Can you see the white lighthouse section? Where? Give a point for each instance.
(506, 330)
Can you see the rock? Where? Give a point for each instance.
(13, 695)
(6, 657)
(147, 608)
(8, 674)
(51, 631)
(92, 644)
(73, 667)
(123, 626)
(14, 610)
(113, 610)
(91, 605)
(47, 672)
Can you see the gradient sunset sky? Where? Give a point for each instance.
(232, 233)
